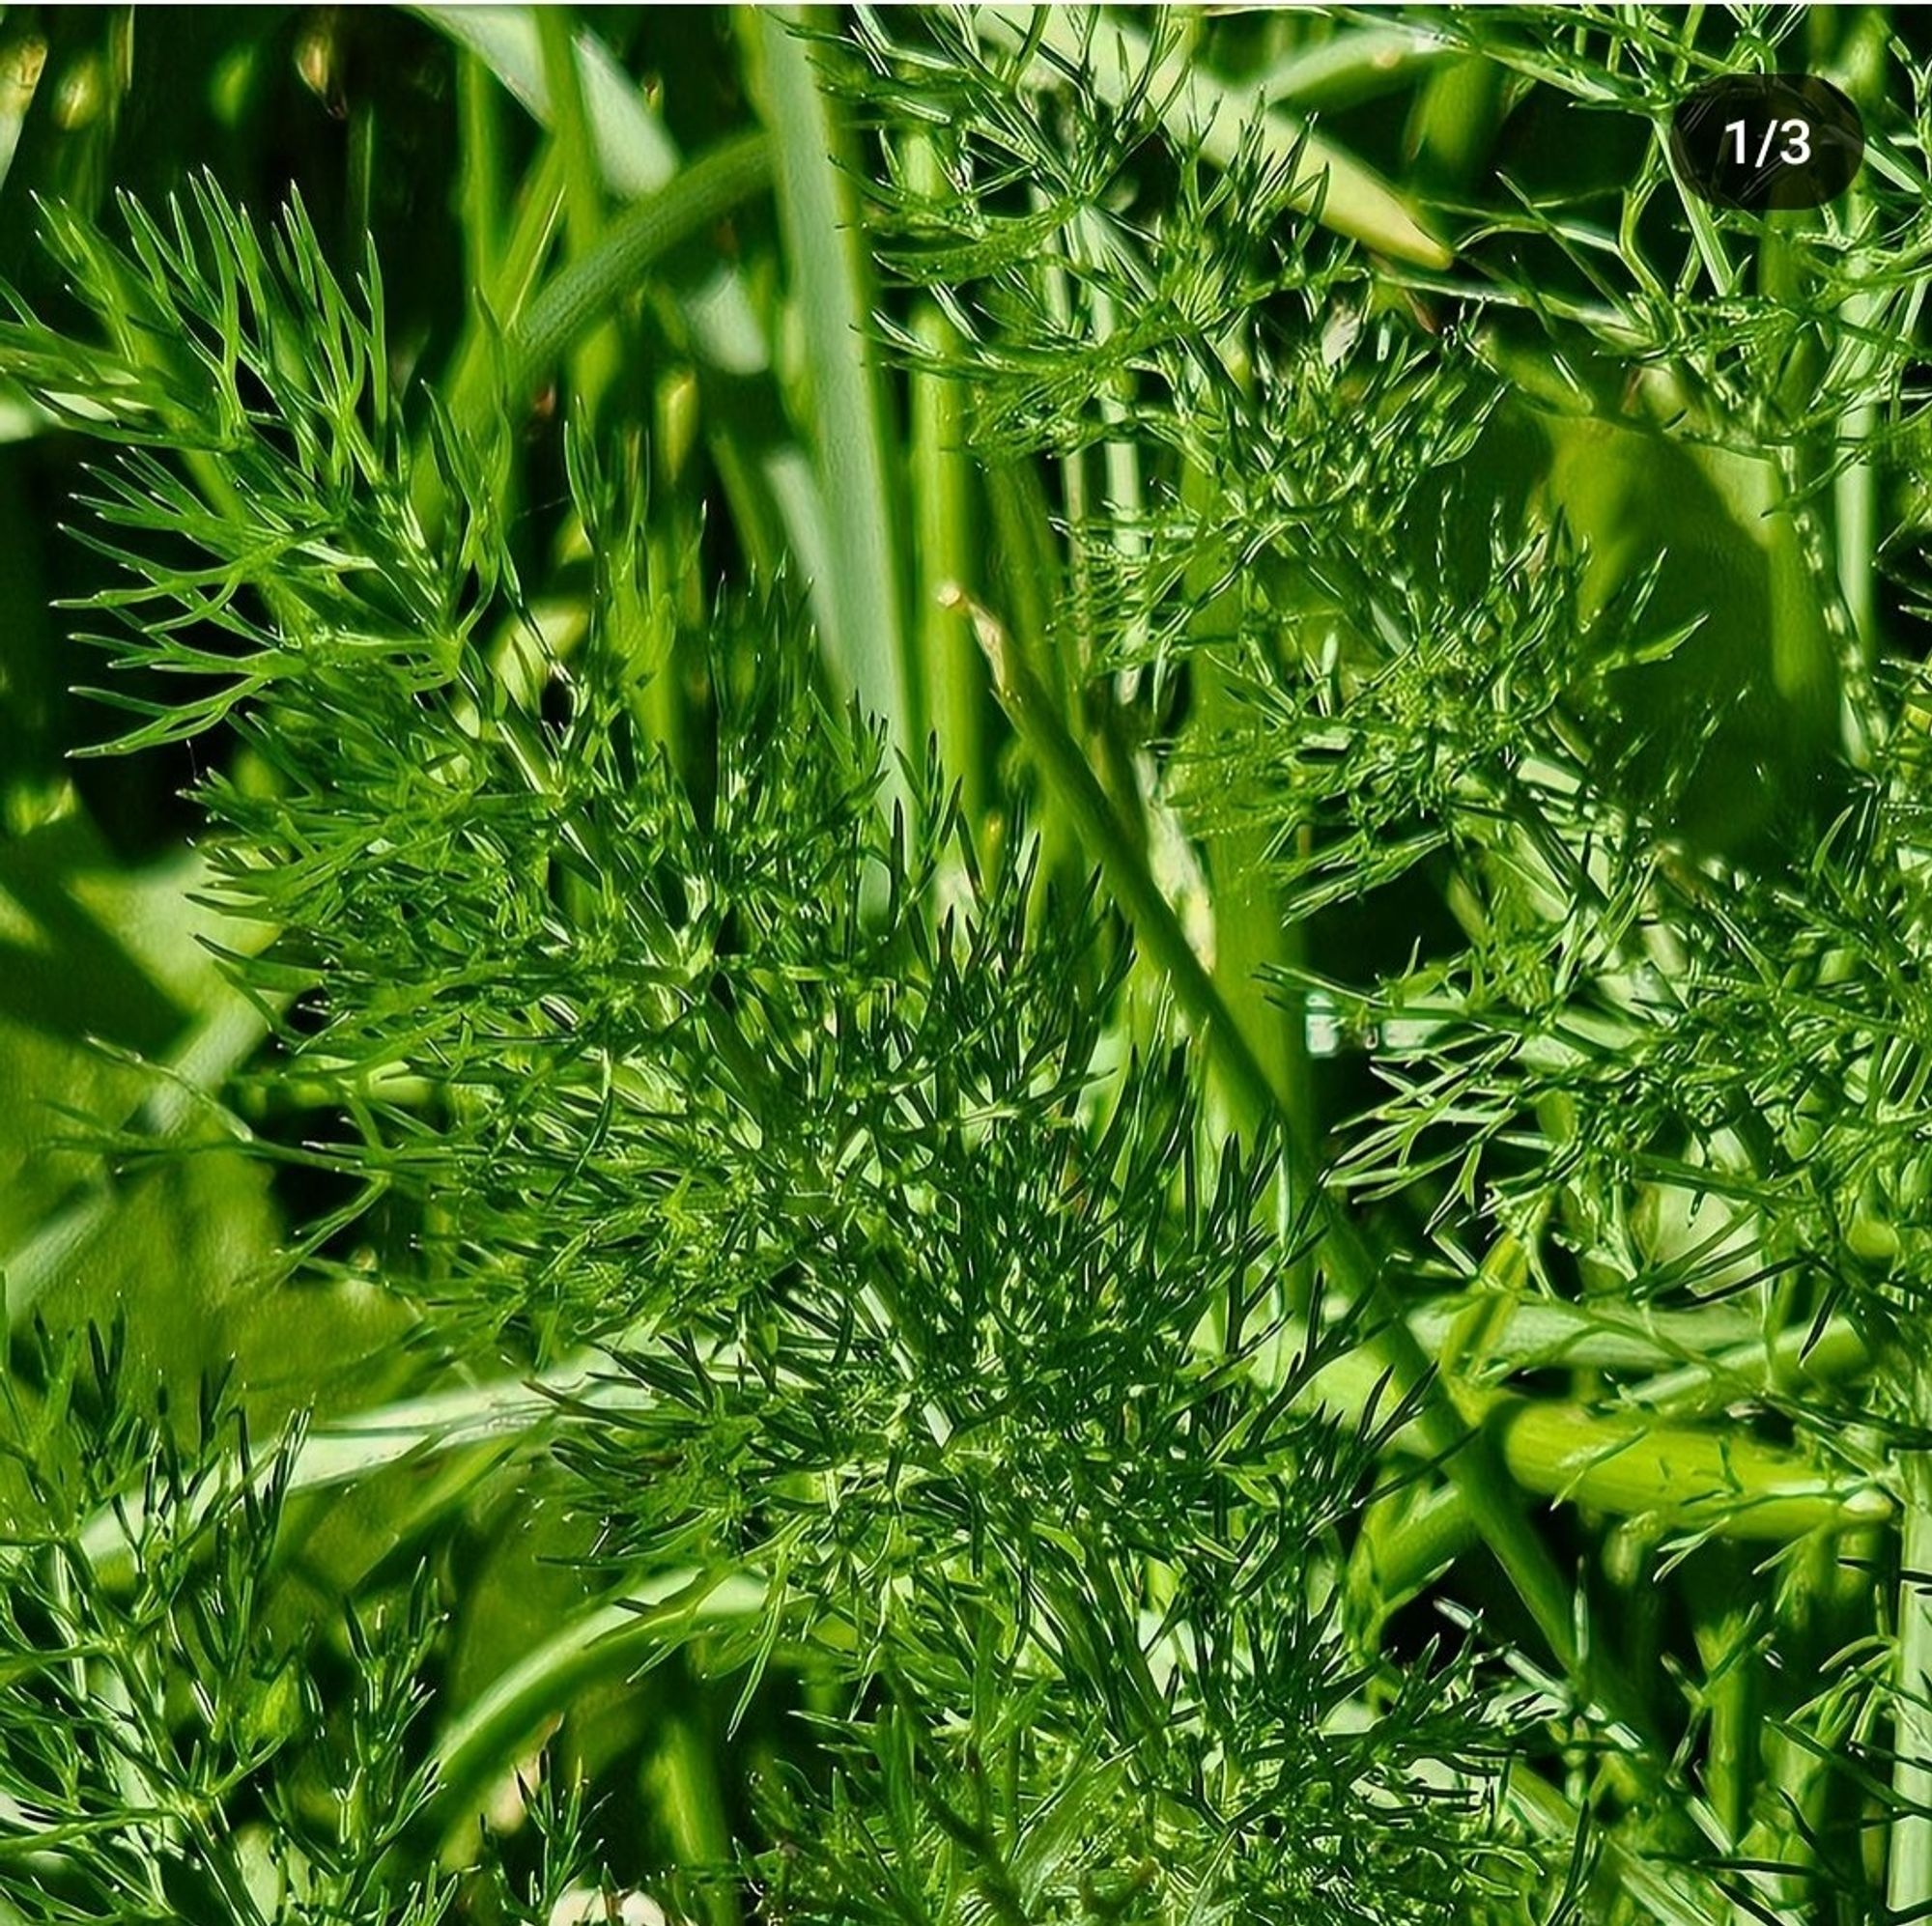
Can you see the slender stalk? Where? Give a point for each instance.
(635, 243)
(583, 187)
(497, 304)
(954, 685)
(594, 352)
(481, 186)
(832, 289)
(1732, 1692)
(1909, 1851)
(1253, 936)
(605, 1642)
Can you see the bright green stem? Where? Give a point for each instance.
(1406, 1542)
(1909, 1869)
(605, 1642)
(1454, 121)
(1254, 938)
(681, 1779)
(942, 496)
(1719, 1480)
(1823, 1590)
(832, 289)
(1468, 1458)
(1733, 1701)
(1630, 1464)
(470, 385)
(942, 489)
(1861, 70)
(1798, 1355)
(594, 358)
(583, 183)
(631, 246)
(481, 185)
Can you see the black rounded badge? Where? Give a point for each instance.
(1757, 141)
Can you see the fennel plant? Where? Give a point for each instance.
(1066, 1049)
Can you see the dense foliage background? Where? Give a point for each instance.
(1001, 996)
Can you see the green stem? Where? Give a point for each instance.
(594, 358)
(1732, 1692)
(1798, 1354)
(636, 242)
(682, 1780)
(1909, 1867)
(832, 289)
(942, 486)
(607, 1641)
(1406, 1542)
(481, 185)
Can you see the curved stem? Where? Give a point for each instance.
(635, 242)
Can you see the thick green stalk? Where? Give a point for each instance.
(1860, 70)
(682, 1780)
(1630, 1464)
(1822, 1592)
(1725, 1481)
(570, 125)
(1733, 1697)
(954, 691)
(605, 1642)
(1799, 1354)
(1254, 939)
(633, 246)
(594, 357)
(1454, 121)
(1908, 1852)
(832, 289)
(480, 188)
(1407, 1541)
(942, 499)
